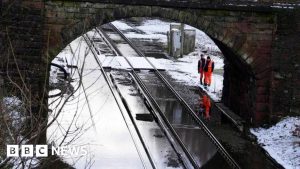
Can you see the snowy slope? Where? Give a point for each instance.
(279, 142)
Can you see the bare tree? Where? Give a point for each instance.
(23, 125)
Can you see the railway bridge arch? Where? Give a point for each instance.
(260, 41)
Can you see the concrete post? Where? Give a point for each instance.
(189, 41)
(175, 43)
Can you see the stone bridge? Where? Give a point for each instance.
(259, 40)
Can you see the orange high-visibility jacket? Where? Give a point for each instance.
(209, 66)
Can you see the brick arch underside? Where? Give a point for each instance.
(245, 45)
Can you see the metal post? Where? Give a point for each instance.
(181, 38)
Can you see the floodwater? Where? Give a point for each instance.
(91, 118)
(160, 148)
(196, 141)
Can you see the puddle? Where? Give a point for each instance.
(160, 148)
(194, 139)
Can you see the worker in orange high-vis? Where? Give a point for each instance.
(206, 105)
(201, 64)
(208, 70)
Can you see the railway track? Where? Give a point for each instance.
(154, 105)
(118, 101)
(112, 84)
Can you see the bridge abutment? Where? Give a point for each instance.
(23, 61)
(261, 47)
(285, 86)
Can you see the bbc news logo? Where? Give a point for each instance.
(42, 150)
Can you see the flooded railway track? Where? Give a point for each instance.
(175, 118)
(170, 157)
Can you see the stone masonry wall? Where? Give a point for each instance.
(196, 4)
(285, 87)
(22, 57)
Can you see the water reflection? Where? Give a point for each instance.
(92, 118)
(197, 143)
(175, 112)
(160, 148)
(194, 139)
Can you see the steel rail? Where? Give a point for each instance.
(153, 103)
(153, 109)
(147, 101)
(107, 41)
(89, 43)
(144, 88)
(223, 151)
(126, 105)
(139, 81)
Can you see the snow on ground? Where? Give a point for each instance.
(279, 142)
(122, 25)
(14, 116)
(126, 50)
(31, 162)
(157, 29)
(14, 108)
(183, 69)
(153, 29)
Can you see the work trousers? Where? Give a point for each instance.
(207, 78)
(201, 75)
